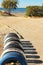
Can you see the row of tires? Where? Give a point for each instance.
(12, 51)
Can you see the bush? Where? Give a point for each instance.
(34, 11)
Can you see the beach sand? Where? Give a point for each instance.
(30, 28)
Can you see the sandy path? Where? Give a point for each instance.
(30, 28)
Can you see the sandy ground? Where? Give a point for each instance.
(30, 28)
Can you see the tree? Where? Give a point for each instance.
(9, 5)
(42, 6)
(31, 10)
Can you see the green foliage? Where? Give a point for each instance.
(34, 11)
(42, 6)
(9, 4)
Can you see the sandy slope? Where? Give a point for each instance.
(30, 28)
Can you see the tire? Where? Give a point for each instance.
(11, 35)
(13, 57)
(11, 39)
(14, 44)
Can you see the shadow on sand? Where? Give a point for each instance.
(30, 52)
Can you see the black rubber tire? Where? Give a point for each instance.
(11, 35)
(14, 44)
(11, 39)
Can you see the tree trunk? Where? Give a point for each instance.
(9, 14)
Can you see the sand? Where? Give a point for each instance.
(30, 28)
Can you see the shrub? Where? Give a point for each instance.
(34, 11)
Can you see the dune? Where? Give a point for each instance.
(30, 28)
